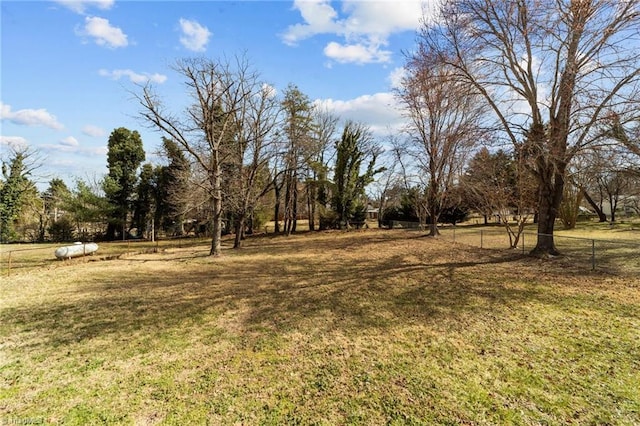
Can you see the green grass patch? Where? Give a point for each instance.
(364, 327)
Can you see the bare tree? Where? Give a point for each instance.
(250, 153)
(412, 182)
(570, 207)
(628, 134)
(611, 179)
(206, 128)
(381, 188)
(550, 70)
(443, 126)
(498, 183)
(317, 162)
(604, 173)
(582, 175)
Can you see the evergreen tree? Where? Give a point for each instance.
(351, 151)
(144, 204)
(88, 210)
(123, 159)
(54, 197)
(173, 188)
(13, 186)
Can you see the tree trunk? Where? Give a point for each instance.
(276, 209)
(433, 215)
(216, 243)
(111, 231)
(550, 196)
(249, 226)
(613, 203)
(601, 216)
(311, 205)
(239, 227)
(433, 207)
(294, 211)
(288, 214)
(433, 228)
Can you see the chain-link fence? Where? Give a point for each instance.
(619, 255)
(590, 253)
(24, 257)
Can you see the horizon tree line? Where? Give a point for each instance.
(556, 80)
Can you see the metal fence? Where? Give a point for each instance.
(616, 255)
(401, 224)
(590, 253)
(24, 257)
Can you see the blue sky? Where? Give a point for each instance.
(67, 67)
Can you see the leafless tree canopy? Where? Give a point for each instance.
(250, 152)
(443, 125)
(215, 125)
(550, 70)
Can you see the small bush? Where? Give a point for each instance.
(260, 218)
(329, 219)
(359, 214)
(403, 213)
(62, 230)
(454, 215)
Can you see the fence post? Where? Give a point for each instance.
(523, 243)
(481, 237)
(9, 267)
(593, 255)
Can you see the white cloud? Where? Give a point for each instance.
(103, 33)
(15, 142)
(319, 18)
(69, 141)
(133, 76)
(396, 76)
(356, 53)
(80, 6)
(269, 90)
(379, 111)
(71, 146)
(29, 117)
(100, 150)
(364, 26)
(383, 17)
(194, 36)
(93, 131)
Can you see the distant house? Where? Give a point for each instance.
(372, 212)
(628, 205)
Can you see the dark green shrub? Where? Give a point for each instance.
(62, 230)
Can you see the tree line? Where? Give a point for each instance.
(553, 82)
(266, 157)
(524, 110)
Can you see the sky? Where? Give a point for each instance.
(69, 69)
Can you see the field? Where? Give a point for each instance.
(361, 327)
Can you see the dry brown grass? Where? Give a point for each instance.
(365, 327)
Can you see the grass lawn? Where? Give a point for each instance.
(363, 327)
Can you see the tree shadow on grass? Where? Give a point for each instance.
(318, 293)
